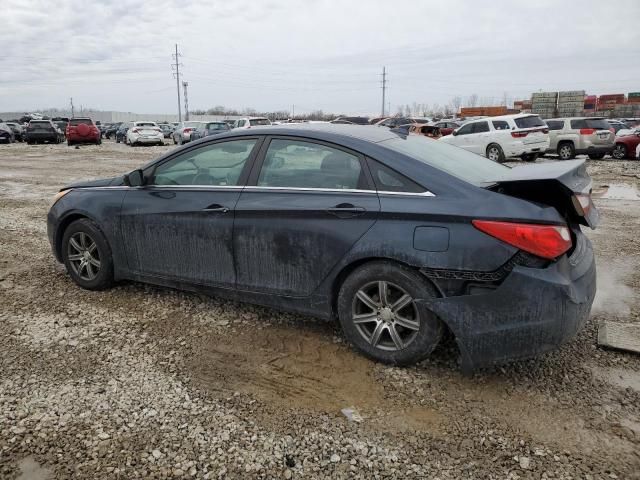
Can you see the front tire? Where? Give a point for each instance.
(380, 317)
(495, 153)
(87, 255)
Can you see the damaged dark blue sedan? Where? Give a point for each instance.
(397, 236)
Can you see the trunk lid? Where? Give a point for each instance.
(565, 186)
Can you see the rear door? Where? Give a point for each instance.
(179, 225)
(307, 203)
(480, 138)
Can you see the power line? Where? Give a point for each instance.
(176, 74)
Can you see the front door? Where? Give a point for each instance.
(180, 224)
(300, 214)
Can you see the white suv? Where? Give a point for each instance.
(251, 122)
(522, 135)
(144, 133)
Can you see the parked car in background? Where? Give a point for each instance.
(83, 130)
(447, 126)
(429, 131)
(433, 239)
(206, 129)
(580, 135)
(17, 129)
(352, 120)
(521, 135)
(6, 133)
(182, 133)
(111, 130)
(144, 133)
(229, 122)
(392, 122)
(167, 129)
(41, 131)
(121, 133)
(249, 122)
(618, 125)
(626, 144)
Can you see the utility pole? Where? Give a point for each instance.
(384, 87)
(293, 112)
(186, 101)
(176, 66)
(72, 111)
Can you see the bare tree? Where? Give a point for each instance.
(472, 100)
(456, 103)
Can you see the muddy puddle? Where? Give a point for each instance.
(617, 191)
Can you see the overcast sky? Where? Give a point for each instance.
(316, 54)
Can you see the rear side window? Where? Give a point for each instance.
(480, 127)
(555, 124)
(300, 164)
(575, 124)
(529, 122)
(388, 180)
(500, 125)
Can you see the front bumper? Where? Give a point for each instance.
(533, 311)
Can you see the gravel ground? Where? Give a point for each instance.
(144, 382)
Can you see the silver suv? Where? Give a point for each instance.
(570, 136)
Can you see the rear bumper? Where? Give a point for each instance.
(531, 312)
(596, 149)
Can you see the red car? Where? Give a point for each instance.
(626, 145)
(82, 130)
(446, 127)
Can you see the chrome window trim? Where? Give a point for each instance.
(254, 188)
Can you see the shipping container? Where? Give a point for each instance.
(634, 94)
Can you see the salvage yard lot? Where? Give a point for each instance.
(144, 382)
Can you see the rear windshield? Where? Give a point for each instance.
(145, 124)
(40, 125)
(191, 124)
(218, 126)
(259, 121)
(80, 121)
(598, 124)
(529, 122)
(472, 168)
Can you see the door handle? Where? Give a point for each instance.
(216, 208)
(346, 210)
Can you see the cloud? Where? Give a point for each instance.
(324, 54)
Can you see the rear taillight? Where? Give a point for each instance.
(545, 130)
(587, 131)
(546, 241)
(186, 130)
(612, 130)
(519, 134)
(135, 130)
(582, 203)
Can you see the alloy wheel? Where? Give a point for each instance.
(619, 152)
(565, 152)
(385, 315)
(83, 255)
(493, 154)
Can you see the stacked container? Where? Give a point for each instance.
(571, 103)
(524, 106)
(607, 103)
(633, 98)
(483, 111)
(544, 104)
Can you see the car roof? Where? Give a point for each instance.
(508, 117)
(326, 131)
(576, 118)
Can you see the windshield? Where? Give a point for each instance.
(529, 122)
(471, 168)
(259, 121)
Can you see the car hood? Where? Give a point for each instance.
(102, 182)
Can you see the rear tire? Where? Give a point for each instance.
(596, 156)
(619, 151)
(494, 152)
(69, 143)
(87, 255)
(389, 330)
(566, 151)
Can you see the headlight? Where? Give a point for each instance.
(59, 195)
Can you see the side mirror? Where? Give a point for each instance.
(134, 179)
(454, 133)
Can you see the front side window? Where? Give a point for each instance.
(300, 164)
(219, 164)
(465, 129)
